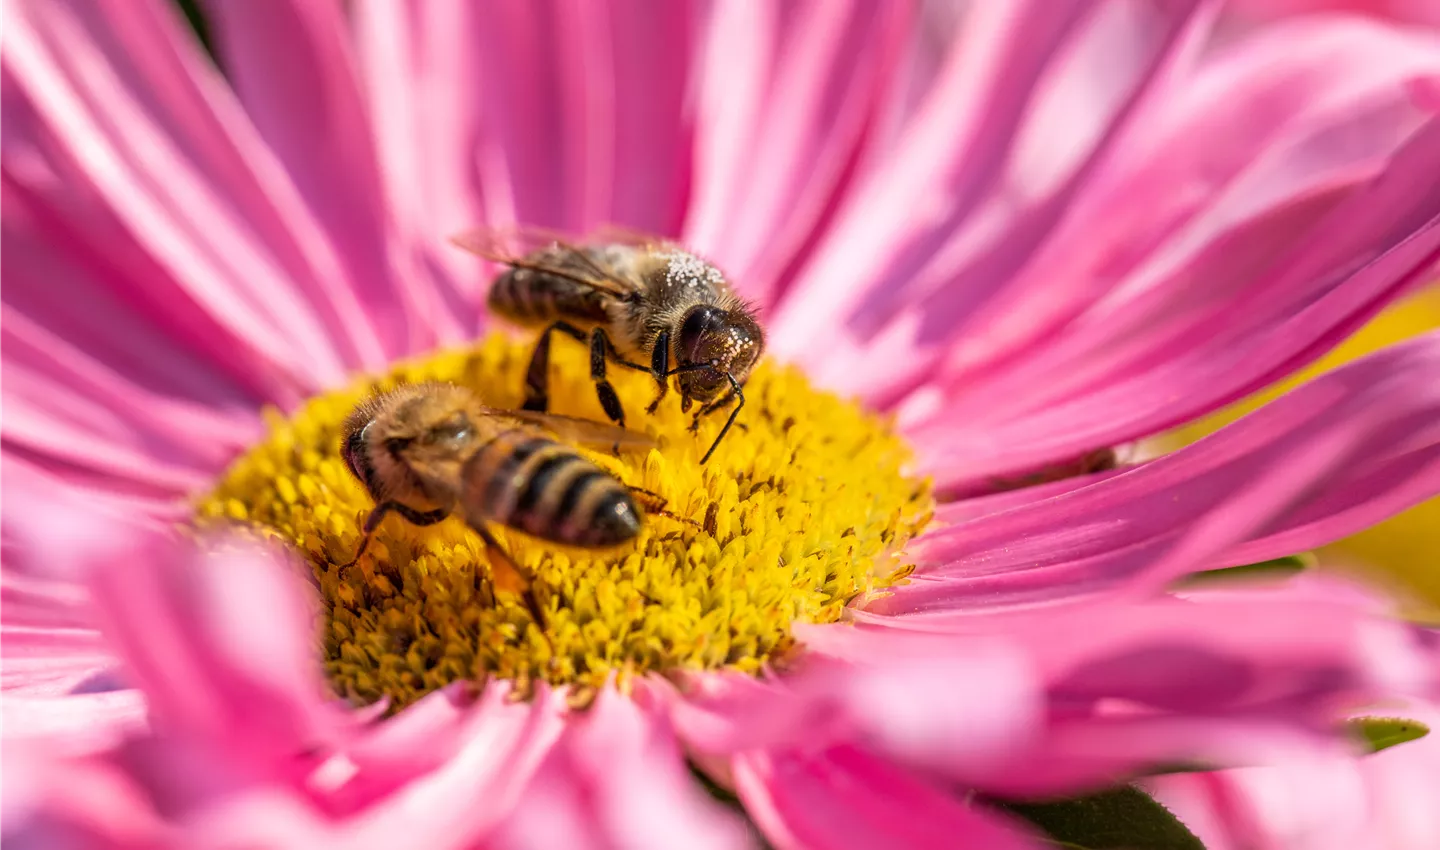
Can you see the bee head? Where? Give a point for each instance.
(722, 343)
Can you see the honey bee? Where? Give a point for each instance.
(426, 451)
(638, 299)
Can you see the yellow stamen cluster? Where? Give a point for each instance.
(804, 507)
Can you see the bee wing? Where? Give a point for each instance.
(575, 430)
(620, 235)
(521, 247)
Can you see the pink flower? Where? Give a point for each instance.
(1068, 228)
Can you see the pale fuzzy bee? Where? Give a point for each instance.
(643, 303)
(426, 451)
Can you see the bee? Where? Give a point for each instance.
(641, 299)
(426, 451)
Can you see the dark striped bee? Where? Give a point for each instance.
(426, 451)
(644, 299)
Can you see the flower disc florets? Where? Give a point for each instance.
(805, 506)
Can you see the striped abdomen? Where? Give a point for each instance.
(528, 297)
(548, 490)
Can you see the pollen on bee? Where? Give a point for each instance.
(789, 521)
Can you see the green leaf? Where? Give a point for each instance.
(1125, 818)
(1275, 568)
(1382, 733)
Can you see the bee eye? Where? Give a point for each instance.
(353, 450)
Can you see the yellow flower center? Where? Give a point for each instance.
(804, 507)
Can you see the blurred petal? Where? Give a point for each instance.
(949, 707)
(846, 798)
(616, 779)
(1221, 677)
(1382, 801)
(185, 625)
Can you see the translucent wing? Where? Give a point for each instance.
(548, 252)
(574, 430)
(615, 234)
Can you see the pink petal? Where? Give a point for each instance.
(951, 197)
(788, 104)
(56, 801)
(1321, 182)
(570, 116)
(293, 71)
(423, 741)
(1381, 801)
(1321, 462)
(944, 707)
(480, 782)
(616, 779)
(846, 798)
(185, 626)
(73, 724)
(171, 192)
(561, 114)
(1224, 677)
(54, 384)
(724, 712)
(59, 682)
(419, 65)
(1249, 12)
(169, 792)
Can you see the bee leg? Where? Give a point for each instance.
(510, 577)
(537, 374)
(710, 408)
(654, 503)
(660, 368)
(739, 395)
(600, 348)
(377, 515)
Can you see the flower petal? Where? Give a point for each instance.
(185, 626)
(293, 70)
(980, 174)
(1221, 677)
(68, 405)
(616, 779)
(788, 103)
(939, 706)
(1316, 221)
(1334, 803)
(1326, 459)
(846, 798)
(571, 115)
(152, 791)
(132, 150)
